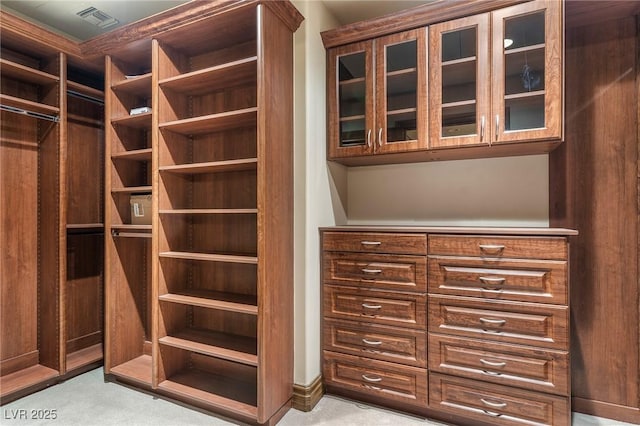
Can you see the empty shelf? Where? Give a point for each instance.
(84, 357)
(213, 122)
(25, 378)
(132, 190)
(133, 155)
(213, 167)
(20, 72)
(139, 85)
(86, 90)
(220, 345)
(232, 302)
(138, 121)
(137, 370)
(209, 211)
(36, 107)
(209, 257)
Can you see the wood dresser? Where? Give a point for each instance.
(466, 325)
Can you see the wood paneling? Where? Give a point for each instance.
(594, 188)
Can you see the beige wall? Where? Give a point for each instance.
(501, 191)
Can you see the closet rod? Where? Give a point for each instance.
(115, 233)
(41, 116)
(85, 97)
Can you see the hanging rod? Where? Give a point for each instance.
(116, 233)
(39, 115)
(85, 97)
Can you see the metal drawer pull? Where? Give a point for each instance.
(492, 280)
(369, 138)
(491, 247)
(364, 305)
(493, 404)
(491, 373)
(372, 342)
(493, 364)
(371, 271)
(493, 321)
(373, 379)
(370, 243)
(491, 413)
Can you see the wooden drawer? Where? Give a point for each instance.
(392, 344)
(393, 272)
(376, 306)
(378, 378)
(514, 322)
(542, 281)
(496, 405)
(501, 363)
(550, 248)
(375, 242)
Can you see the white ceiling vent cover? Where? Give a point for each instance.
(97, 17)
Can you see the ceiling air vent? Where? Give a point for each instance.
(97, 17)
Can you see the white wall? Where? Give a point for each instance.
(486, 192)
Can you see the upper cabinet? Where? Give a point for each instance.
(377, 96)
(494, 80)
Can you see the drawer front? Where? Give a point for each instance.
(404, 273)
(506, 364)
(496, 405)
(542, 281)
(375, 242)
(550, 248)
(375, 341)
(376, 306)
(512, 322)
(378, 378)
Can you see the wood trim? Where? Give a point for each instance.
(455, 230)
(306, 397)
(604, 409)
(431, 13)
(20, 362)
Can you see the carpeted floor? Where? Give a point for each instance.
(88, 400)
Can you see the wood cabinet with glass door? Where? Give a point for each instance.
(377, 96)
(512, 95)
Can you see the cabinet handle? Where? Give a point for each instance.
(364, 305)
(482, 120)
(497, 126)
(380, 136)
(495, 248)
(492, 280)
(492, 363)
(371, 271)
(491, 413)
(493, 404)
(370, 243)
(369, 138)
(492, 321)
(372, 379)
(371, 342)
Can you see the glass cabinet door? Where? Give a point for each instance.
(527, 72)
(401, 94)
(351, 100)
(459, 82)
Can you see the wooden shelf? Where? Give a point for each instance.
(25, 378)
(219, 345)
(36, 107)
(213, 167)
(138, 370)
(84, 357)
(138, 121)
(213, 123)
(140, 85)
(241, 303)
(81, 226)
(209, 211)
(85, 90)
(131, 190)
(128, 227)
(217, 391)
(133, 155)
(209, 257)
(232, 74)
(20, 72)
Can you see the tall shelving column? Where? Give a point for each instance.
(128, 172)
(225, 184)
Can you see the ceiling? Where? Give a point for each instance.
(61, 16)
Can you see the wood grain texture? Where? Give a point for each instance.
(594, 188)
(370, 242)
(498, 231)
(499, 246)
(306, 397)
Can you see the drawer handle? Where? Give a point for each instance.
(492, 248)
(492, 280)
(491, 373)
(373, 379)
(370, 243)
(491, 413)
(367, 306)
(371, 271)
(493, 321)
(493, 364)
(372, 342)
(493, 404)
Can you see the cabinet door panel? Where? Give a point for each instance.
(527, 72)
(459, 84)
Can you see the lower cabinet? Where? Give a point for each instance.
(470, 328)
